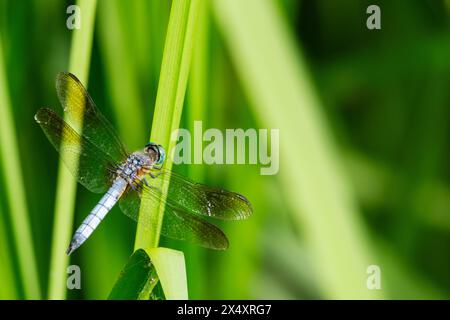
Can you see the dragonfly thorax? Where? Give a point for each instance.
(135, 167)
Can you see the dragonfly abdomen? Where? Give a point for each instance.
(97, 214)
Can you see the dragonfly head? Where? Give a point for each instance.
(156, 151)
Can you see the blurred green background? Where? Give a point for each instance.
(364, 128)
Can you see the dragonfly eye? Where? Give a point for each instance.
(159, 150)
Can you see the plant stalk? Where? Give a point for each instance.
(80, 55)
(168, 107)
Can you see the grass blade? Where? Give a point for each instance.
(282, 96)
(15, 190)
(136, 280)
(169, 105)
(8, 287)
(167, 116)
(171, 271)
(66, 186)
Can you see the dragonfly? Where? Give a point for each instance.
(99, 160)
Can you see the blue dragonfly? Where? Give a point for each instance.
(101, 163)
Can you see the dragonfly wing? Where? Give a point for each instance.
(204, 200)
(89, 164)
(79, 106)
(177, 223)
(130, 203)
(181, 226)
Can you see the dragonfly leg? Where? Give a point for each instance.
(137, 184)
(154, 175)
(148, 170)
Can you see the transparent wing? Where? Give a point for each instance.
(77, 104)
(93, 169)
(201, 199)
(177, 223)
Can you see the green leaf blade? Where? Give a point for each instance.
(170, 267)
(80, 57)
(137, 280)
(169, 106)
